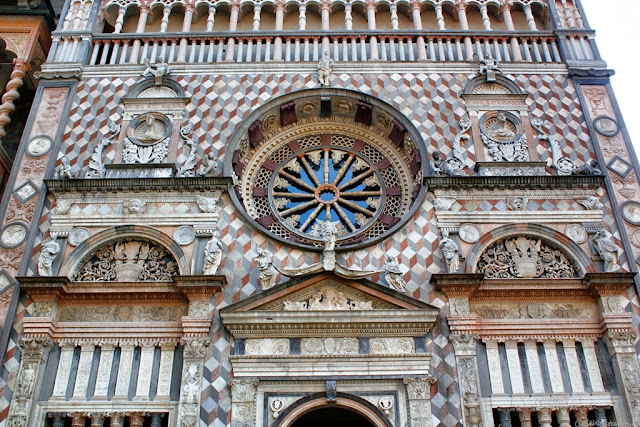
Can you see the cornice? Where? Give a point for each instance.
(63, 290)
(57, 186)
(547, 182)
(254, 324)
(475, 288)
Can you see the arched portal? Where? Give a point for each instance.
(334, 416)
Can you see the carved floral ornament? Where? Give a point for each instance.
(126, 259)
(526, 257)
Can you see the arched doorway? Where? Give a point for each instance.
(334, 416)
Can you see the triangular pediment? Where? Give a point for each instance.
(327, 304)
(328, 292)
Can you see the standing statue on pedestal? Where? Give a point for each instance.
(608, 250)
(325, 67)
(266, 272)
(212, 255)
(48, 254)
(394, 274)
(450, 252)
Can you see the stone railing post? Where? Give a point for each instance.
(20, 68)
(419, 402)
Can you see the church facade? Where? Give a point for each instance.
(300, 213)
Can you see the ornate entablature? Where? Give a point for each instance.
(326, 155)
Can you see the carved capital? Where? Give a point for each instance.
(544, 415)
(464, 344)
(418, 387)
(33, 348)
(620, 341)
(21, 64)
(195, 348)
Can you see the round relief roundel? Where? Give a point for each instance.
(291, 179)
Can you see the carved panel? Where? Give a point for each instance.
(127, 259)
(525, 257)
(326, 346)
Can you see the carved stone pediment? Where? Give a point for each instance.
(326, 303)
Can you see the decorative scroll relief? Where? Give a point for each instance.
(267, 346)
(403, 345)
(527, 258)
(147, 139)
(122, 313)
(127, 260)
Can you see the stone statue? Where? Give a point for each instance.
(608, 250)
(212, 254)
(325, 67)
(329, 231)
(158, 71)
(450, 252)
(488, 66)
(209, 165)
(590, 168)
(48, 254)
(64, 170)
(446, 167)
(266, 272)
(394, 274)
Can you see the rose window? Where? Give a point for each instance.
(321, 156)
(333, 183)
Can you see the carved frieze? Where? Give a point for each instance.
(127, 259)
(525, 257)
(329, 346)
(121, 313)
(534, 310)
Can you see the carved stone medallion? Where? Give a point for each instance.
(469, 233)
(78, 235)
(13, 235)
(606, 126)
(631, 212)
(576, 232)
(184, 235)
(39, 146)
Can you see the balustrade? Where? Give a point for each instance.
(538, 47)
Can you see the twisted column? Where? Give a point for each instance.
(15, 82)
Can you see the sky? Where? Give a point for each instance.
(616, 24)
